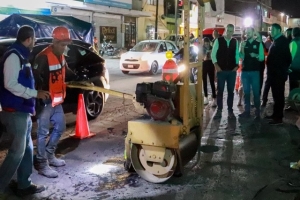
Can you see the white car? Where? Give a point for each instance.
(146, 56)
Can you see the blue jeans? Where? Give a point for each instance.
(222, 78)
(56, 116)
(20, 155)
(251, 79)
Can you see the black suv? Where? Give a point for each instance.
(86, 64)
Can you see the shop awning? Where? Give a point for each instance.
(209, 31)
(102, 9)
(44, 25)
(161, 27)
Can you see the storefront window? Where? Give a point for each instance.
(151, 2)
(130, 32)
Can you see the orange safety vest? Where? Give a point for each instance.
(57, 72)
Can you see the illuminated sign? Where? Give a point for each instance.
(109, 33)
(127, 4)
(10, 11)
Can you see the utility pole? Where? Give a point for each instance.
(176, 19)
(156, 21)
(260, 15)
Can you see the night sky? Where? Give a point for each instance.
(289, 7)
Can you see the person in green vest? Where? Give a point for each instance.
(294, 70)
(252, 54)
(294, 75)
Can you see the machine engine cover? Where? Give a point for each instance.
(159, 108)
(142, 89)
(164, 89)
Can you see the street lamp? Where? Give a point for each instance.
(248, 21)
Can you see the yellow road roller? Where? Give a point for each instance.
(160, 146)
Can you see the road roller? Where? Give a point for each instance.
(158, 147)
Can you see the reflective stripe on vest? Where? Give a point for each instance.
(54, 67)
(171, 71)
(57, 67)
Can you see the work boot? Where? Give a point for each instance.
(244, 115)
(44, 169)
(218, 114)
(231, 115)
(55, 162)
(32, 189)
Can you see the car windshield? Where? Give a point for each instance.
(145, 47)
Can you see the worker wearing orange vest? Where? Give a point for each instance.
(50, 70)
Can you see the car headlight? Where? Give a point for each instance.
(181, 68)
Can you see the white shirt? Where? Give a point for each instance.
(12, 66)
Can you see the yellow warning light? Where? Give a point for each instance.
(169, 55)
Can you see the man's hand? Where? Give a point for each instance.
(217, 67)
(41, 94)
(234, 69)
(253, 55)
(243, 44)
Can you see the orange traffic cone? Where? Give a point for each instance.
(82, 129)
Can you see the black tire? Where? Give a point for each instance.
(94, 101)
(154, 68)
(125, 72)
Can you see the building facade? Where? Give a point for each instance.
(294, 22)
(116, 20)
(280, 18)
(146, 25)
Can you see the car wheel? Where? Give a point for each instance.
(94, 102)
(154, 68)
(125, 72)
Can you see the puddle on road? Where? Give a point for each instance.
(118, 181)
(118, 161)
(209, 149)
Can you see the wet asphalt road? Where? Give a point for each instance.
(238, 158)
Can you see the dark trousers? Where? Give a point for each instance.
(294, 78)
(222, 78)
(266, 89)
(277, 87)
(208, 69)
(261, 75)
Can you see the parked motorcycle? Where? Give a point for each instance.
(107, 48)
